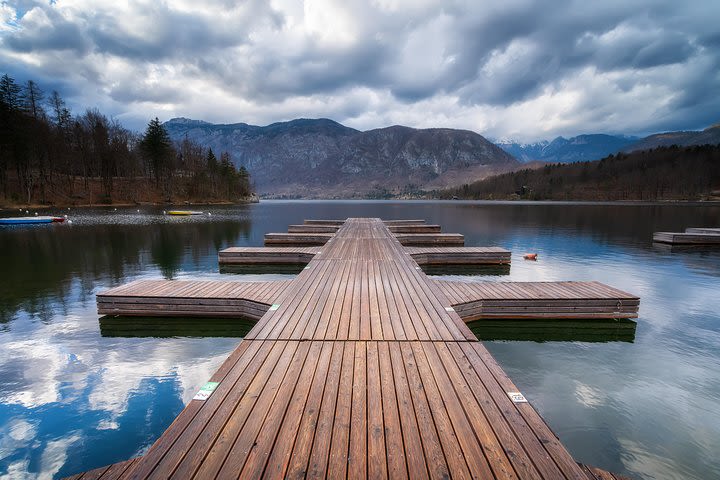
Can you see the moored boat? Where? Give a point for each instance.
(29, 220)
(183, 212)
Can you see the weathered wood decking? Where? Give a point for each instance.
(360, 369)
(399, 228)
(691, 236)
(410, 239)
(470, 300)
(121, 471)
(477, 300)
(267, 255)
(148, 298)
(421, 255)
(116, 471)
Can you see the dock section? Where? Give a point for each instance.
(359, 369)
(267, 255)
(421, 255)
(538, 300)
(691, 236)
(165, 298)
(459, 255)
(470, 300)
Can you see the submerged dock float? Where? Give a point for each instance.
(360, 368)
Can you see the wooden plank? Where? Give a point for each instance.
(261, 391)
(322, 419)
(294, 461)
(421, 380)
(391, 423)
(338, 454)
(296, 382)
(116, 471)
(289, 435)
(432, 373)
(358, 452)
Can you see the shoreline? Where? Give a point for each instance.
(247, 201)
(251, 200)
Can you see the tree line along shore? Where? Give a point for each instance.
(48, 156)
(663, 173)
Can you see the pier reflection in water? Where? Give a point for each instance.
(159, 327)
(536, 330)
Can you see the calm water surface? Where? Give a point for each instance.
(77, 393)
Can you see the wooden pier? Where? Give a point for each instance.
(421, 255)
(539, 300)
(417, 239)
(164, 298)
(470, 300)
(691, 236)
(361, 367)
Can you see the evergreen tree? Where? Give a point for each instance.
(156, 147)
(9, 92)
(212, 167)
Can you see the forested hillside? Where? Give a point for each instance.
(665, 173)
(50, 156)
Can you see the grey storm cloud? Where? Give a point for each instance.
(498, 68)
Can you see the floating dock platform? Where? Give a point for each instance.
(691, 236)
(361, 367)
(421, 255)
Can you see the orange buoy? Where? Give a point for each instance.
(530, 256)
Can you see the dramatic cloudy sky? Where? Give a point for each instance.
(513, 68)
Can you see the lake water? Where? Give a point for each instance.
(77, 393)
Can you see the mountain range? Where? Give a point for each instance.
(320, 158)
(596, 146)
(566, 150)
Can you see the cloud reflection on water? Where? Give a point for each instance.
(74, 400)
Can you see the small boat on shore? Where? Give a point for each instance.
(183, 212)
(30, 220)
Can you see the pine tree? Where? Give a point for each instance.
(212, 168)
(156, 147)
(9, 92)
